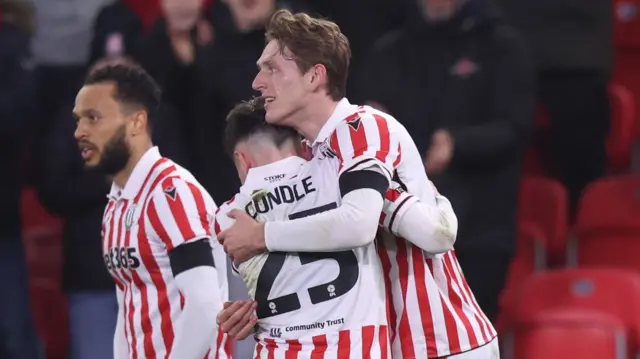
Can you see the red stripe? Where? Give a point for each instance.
(130, 310)
(135, 280)
(384, 341)
(319, 346)
(179, 216)
(404, 330)
(294, 348)
(335, 147)
(368, 334)
(216, 225)
(228, 344)
(486, 332)
(148, 259)
(398, 158)
(385, 138)
(344, 344)
(449, 321)
(201, 207)
(386, 271)
(258, 351)
(271, 348)
(219, 340)
(426, 315)
(358, 140)
(456, 301)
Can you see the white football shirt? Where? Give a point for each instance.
(315, 305)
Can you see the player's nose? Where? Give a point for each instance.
(259, 83)
(80, 132)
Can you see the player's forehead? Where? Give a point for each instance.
(95, 97)
(272, 54)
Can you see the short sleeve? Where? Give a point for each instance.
(179, 213)
(364, 140)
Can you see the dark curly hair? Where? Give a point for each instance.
(135, 89)
(246, 119)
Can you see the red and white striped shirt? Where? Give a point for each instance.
(161, 207)
(432, 310)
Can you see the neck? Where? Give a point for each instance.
(311, 120)
(137, 152)
(267, 156)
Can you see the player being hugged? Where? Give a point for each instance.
(311, 305)
(156, 228)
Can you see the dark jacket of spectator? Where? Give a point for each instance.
(79, 196)
(17, 96)
(115, 31)
(566, 34)
(472, 77)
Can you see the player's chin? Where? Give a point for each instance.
(91, 162)
(273, 116)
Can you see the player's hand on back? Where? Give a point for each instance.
(244, 239)
(237, 319)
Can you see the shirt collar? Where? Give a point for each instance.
(259, 176)
(137, 177)
(343, 109)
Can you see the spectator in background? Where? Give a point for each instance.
(18, 338)
(239, 41)
(61, 47)
(174, 52)
(115, 31)
(461, 81)
(572, 47)
(78, 196)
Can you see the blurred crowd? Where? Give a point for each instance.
(466, 77)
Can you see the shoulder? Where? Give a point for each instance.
(365, 125)
(181, 189)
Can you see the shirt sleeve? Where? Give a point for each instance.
(430, 225)
(364, 140)
(221, 221)
(179, 213)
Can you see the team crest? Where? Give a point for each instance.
(129, 217)
(170, 192)
(354, 123)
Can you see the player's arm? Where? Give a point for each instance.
(181, 219)
(120, 345)
(430, 225)
(367, 151)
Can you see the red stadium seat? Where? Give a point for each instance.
(530, 257)
(614, 292)
(564, 334)
(623, 127)
(626, 23)
(544, 202)
(42, 236)
(607, 230)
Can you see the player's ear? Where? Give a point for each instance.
(139, 119)
(242, 163)
(317, 76)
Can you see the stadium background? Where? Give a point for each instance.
(572, 288)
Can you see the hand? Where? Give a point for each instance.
(204, 32)
(440, 153)
(237, 319)
(183, 48)
(244, 239)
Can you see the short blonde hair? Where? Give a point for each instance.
(313, 41)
